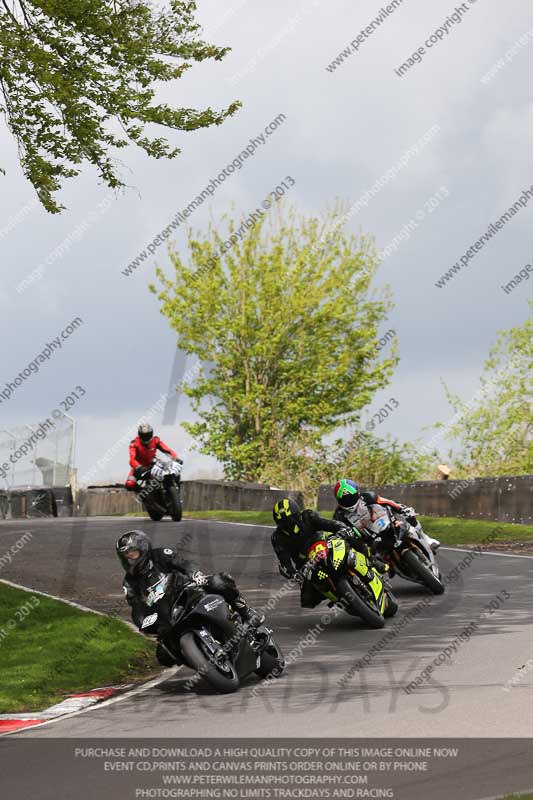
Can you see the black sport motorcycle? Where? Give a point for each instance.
(208, 636)
(160, 489)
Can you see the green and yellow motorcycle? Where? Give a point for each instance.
(345, 577)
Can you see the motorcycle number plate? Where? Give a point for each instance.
(379, 525)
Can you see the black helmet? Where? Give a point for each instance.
(128, 546)
(145, 433)
(287, 516)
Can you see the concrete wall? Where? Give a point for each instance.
(501, 499)
(196, 495)
(232, 495)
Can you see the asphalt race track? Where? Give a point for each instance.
(75, 559)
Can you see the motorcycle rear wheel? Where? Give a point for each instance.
(358, 607)
(417, 568)
(222, 681)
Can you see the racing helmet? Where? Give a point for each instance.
(134, 550)
(287, 516)
(346, 493)
(145, 433)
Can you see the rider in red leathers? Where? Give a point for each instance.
(143, 450)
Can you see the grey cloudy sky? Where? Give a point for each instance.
(344, 129)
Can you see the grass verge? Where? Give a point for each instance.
(49, 649)
(518, 797)
(449, 530)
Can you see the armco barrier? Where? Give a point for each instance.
(500, 499)
(196, 495)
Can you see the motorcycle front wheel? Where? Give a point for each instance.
(224, 680)
(272, 663)
(422, 572)
(359, 607)
(154, 514)
(174, 503)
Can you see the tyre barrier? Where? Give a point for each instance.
(26, 502)
(204, 495)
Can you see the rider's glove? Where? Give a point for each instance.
(199, 578)
(306, 572)
(409, 512)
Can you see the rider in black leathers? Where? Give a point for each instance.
(295, 532)
(143, 563)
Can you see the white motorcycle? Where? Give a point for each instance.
(407, 550)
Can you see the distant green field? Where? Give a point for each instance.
(49, 650)
(449, 530)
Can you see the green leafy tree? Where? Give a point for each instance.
(78, 79)
(373, 461)
(494, 430)
(286, 331)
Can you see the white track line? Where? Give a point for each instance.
(54, 597)
(451, 549)
(483, 552)
(165, 675)
(173, 671)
